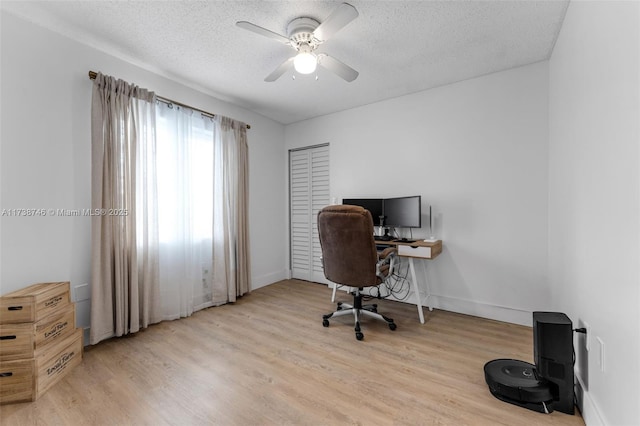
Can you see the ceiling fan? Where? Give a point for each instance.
(305, 35)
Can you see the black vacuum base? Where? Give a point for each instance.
(518, 383)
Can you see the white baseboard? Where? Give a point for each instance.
(266, 279)
(470, 307)
(483, 310)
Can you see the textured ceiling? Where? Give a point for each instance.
(399, 47)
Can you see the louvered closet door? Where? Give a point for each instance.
(309, 192)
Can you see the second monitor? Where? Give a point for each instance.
(403, 212)
(400, 212)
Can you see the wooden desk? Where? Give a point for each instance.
(417, 250)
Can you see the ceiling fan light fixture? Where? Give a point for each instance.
(305, 62)
(305, 35)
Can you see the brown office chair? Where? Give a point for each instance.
(350, 258)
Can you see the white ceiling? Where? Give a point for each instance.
(399, 47)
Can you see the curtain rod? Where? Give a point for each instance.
(93, 75)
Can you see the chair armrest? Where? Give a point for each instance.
(386, 252)
(386, 263)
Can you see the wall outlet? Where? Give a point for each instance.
(81, 292)
(587, 336)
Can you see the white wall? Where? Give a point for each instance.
(45, 158)
(477, 152)
(594, 200)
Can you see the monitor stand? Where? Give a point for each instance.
(385, 237)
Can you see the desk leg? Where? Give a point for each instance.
(416, 287)
(426, 286)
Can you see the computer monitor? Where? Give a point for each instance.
(374, 205)
(403, 212)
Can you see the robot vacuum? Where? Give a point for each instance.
(518, 382)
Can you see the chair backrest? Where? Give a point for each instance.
(349, 253)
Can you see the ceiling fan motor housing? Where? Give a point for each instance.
(300, 31)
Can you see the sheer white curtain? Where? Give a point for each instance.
(202, 202)
(185, 202)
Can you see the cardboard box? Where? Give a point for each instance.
(34, 303)
(27, 379)
(20, 341)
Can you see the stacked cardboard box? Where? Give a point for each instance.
(39, 342)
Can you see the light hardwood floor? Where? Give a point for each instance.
(267, 360)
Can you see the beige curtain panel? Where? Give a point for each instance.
(231, 259)
(124, 277)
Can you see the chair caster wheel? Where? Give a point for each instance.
(392, 326)
(359, 336)
(325, 323)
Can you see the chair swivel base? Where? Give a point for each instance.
(357, 309)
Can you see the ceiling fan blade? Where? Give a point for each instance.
(342, 70)
(277, 73)
(340, 17)
(263, 31)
